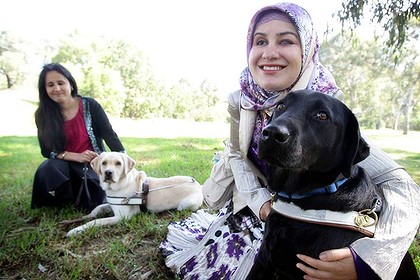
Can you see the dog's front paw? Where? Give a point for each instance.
(74, 231)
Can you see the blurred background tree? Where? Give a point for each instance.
(395, 16)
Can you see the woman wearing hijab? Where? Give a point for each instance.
(282, 52)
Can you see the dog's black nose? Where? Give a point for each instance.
(108, 174)
(275, 132)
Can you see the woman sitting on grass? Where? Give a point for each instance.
(71, 130)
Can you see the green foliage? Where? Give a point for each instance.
(105, 85)
(120, 77)
(139, 83)
(415, 122)
(394, 15)
(380, 92)
(205, 103)
(12, 60)
(94, 78)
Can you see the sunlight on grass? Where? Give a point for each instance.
(391, 139)
(144, 148)
(4, 154)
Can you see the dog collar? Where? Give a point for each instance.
(331, 188)
(363, 221)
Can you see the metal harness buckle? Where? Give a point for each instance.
(365, 217)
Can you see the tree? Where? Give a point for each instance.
(355, 67)
(378, 91)
(85, 56)
(12, 59)
(408, 80)
(121, 78)
(142, 90)
(205, 102)
(396, 17)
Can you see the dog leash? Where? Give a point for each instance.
(84, 186)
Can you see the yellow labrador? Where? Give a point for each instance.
(128, 189)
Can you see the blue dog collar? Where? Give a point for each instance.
(332, 188)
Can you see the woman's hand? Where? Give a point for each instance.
(86, 156)
(265, 210)
(335, 264)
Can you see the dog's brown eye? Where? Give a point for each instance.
(281, 106)
(118, 163)
(104, 162)
(322, 116)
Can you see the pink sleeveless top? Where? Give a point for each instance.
(75, 129)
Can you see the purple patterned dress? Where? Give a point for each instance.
(213, 246)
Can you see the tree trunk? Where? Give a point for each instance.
(396, 119)
(9, 82)
(408, 109)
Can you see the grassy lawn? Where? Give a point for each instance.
(405, 149)
(33, 245)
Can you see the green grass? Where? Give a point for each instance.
(404, 149)
(33, 244)
(31, 240)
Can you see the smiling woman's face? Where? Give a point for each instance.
(275, 59)
(57, 86)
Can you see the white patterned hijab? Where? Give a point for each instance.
(313, 74)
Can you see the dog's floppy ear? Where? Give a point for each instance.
(356, 148)
(95, 164)
(129, 163)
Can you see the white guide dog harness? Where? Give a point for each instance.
(363, 221)
(139, 197)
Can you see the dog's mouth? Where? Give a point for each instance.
(272, 151)
(274, 161)
(109, 181)
(279, 154)
(108, 176)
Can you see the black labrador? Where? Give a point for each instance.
(312, 145)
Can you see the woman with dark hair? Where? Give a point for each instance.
(71, 130)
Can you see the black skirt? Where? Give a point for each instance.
(58, 183)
